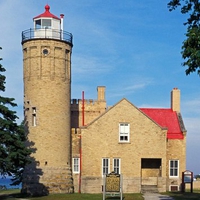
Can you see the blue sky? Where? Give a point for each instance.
(132, 48)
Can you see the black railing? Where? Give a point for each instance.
(47, 33)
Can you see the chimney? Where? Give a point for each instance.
(61, 25)
(101, 93)
(175, 100)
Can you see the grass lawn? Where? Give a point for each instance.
(185, 196)
(15, 194)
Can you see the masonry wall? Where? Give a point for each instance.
(47, 93)
(91, 109)
(176, 150)
(101, 140)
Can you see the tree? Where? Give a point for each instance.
(14, 155)
(191, 45)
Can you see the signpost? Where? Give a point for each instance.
(187, 177)
(112, 185)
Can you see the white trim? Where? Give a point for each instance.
(119, 164)
(125, 132)
(73, 164)
(177, 168)
(102, 166)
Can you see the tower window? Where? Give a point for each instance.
(34, 116)
(45, 51)
(46, 23)
(38, 24)
(42, 23)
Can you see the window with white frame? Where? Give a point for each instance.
(173, 168)
(124, 132)
(76, 165)
(105, 166)
(116, 165)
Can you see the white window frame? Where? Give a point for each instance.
(76, 165)
(174, 168)
(124, 131)
(104, 167)
(117, 166)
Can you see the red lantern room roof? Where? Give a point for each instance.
(47, 14)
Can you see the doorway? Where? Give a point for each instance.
(150, 170)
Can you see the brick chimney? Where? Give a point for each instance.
(175, 100)
(101, 93)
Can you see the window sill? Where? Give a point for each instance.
(124, 142)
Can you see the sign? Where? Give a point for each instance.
(112, 185)
(112, 182)
(188, 176)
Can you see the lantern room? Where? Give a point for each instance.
(47, 25)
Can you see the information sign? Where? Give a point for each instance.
(112, 185)
(112, 182)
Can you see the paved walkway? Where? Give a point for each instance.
(156, 196)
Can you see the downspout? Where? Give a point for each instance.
(80, 152)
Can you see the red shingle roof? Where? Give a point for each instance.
(165, 118)
(47, 14)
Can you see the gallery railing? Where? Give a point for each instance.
(48, 34)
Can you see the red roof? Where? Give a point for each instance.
(165, 118)
(47, 14)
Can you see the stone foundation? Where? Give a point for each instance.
(41, 182)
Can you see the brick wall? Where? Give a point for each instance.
(101, 140)
(47, 93)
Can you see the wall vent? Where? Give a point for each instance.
(173, 188)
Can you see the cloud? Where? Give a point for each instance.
(84, 66)
(190, 107)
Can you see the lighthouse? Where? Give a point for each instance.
(47, 50)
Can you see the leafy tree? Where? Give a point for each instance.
(191, 45)
(13, 153)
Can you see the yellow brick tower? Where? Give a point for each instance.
(47, 52)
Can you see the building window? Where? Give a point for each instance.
(174, 168)
(105, 166)
(116, 165)
(76, 165)
(34, 116)
(124, 132)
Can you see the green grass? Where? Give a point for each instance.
(15, 194)
(185, 196)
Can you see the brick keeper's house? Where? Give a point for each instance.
(146, 145)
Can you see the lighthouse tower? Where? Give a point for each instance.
(47, 52)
